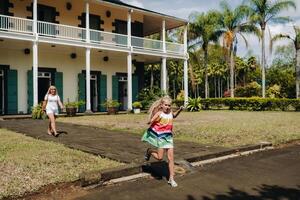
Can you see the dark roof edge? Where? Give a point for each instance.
(142, 9)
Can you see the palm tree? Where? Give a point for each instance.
(296, 42)
(203, 30)
(263, 12)
(234, 23)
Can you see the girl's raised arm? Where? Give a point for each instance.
(176, 113)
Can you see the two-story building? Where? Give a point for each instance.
(90, 50)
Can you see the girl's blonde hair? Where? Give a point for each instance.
(156, 106)
(52, 87)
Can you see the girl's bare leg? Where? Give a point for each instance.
(170, 155)
(157, 154)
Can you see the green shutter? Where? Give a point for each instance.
(59, 85)
(81, 90)
(29, 90)
(102, 86)
(135, 88)
(12, 92)
(115, 88)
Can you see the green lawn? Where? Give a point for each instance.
(225, 128)
(27, 164)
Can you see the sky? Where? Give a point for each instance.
(183, 8)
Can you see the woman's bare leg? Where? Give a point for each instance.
(52, 121)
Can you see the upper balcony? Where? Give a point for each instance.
(54, 31)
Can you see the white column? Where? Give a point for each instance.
(87, 59)
(35, 73)
(34, 16)
(87, 21)
(186, 86)
(185, 68)
(88, 82)
(129, 63)
(163, 38)
(163, 73)
(35, 55)
(185, 40)
(129, 81)
(129, 28)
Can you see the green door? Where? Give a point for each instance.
(115, 87)
(102, 91)
(81, 91)
(29, 90)
(12, 92)
(59, 85)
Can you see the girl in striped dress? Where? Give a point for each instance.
(160, 135)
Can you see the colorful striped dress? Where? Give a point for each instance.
(160, 132)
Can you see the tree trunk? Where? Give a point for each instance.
(206, 75)
(263, 59)
(215, 83)
(231, 73)
(151, 79)
(298, 73)
(221, 88)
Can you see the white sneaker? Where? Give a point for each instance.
(172, 183)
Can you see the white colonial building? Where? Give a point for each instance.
(90, 50)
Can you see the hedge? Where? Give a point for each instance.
(254, 104)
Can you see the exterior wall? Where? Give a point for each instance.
(60, 60)
(70, 17)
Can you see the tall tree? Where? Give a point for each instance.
(262, 13)
(203, 30)
(234, 23)
(296, 42)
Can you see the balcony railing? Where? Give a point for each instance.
(16, 24)
(46, 29)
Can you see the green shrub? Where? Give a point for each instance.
(250, 90)
(252, 104)
(194, 104)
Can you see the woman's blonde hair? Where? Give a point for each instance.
(50, 88)
(156, 106)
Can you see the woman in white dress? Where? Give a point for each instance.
(53, 101)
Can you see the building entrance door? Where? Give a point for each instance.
(123, 97)
(44, 82)
(94, 93)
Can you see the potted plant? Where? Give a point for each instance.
(112, 106)
(137, 107)
(37, 112)
(71, 107)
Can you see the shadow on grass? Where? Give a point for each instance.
(265, 192)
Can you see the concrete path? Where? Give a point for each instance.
(268, 175)
(116, 145)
